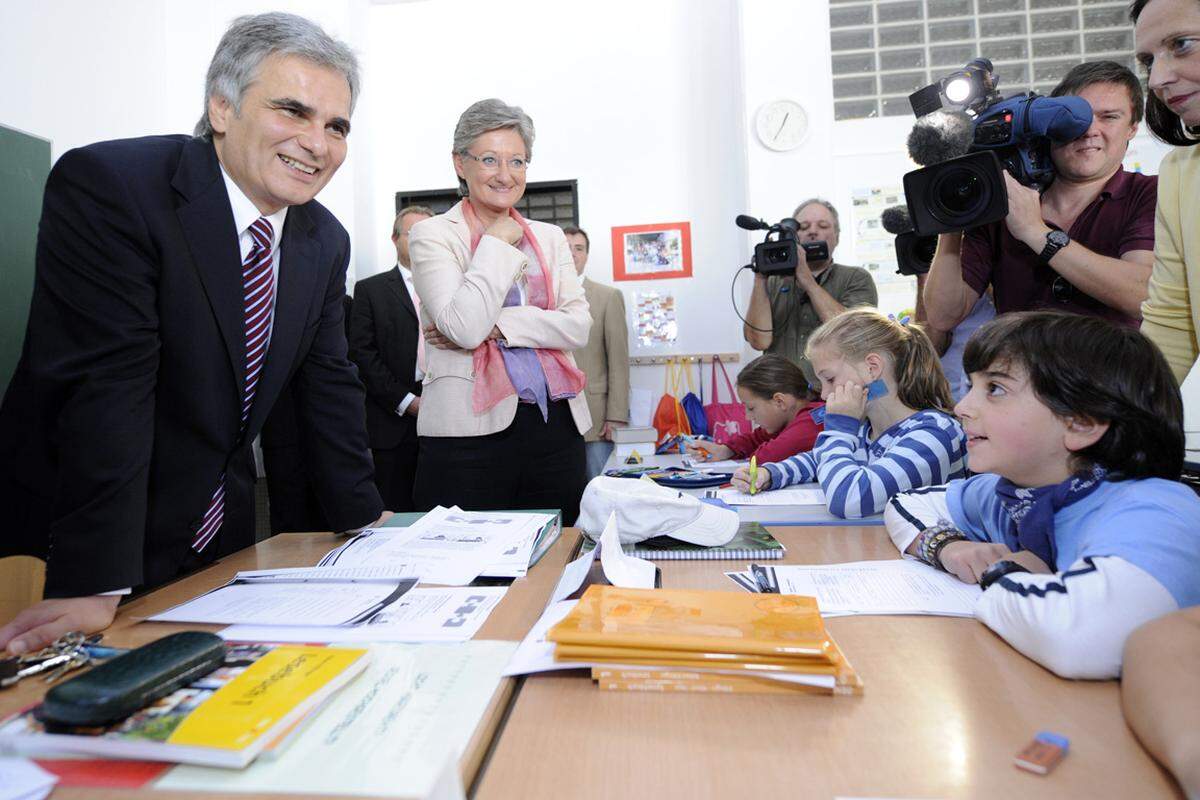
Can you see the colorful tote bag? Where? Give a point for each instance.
(725, 420)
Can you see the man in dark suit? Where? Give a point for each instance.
(385, 338)
(181, 283)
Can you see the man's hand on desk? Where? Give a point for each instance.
(39, 625)
(384, 517)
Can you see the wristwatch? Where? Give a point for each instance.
(997, 571)
(1055, 240)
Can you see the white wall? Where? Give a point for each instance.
(77, 72)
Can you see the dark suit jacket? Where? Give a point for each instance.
(125, 406)
(291, 498)
(383, 343)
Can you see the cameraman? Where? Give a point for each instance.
(1107, 213)
(784, 311)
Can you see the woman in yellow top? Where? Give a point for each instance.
(1168, 46)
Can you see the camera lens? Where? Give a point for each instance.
(958, 195)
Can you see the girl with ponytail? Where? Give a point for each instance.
(888, 421)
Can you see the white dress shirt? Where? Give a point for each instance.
(419, 374)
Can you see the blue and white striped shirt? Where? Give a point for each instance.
(859, 476)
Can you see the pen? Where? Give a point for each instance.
(753, 474)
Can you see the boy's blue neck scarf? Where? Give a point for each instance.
(1031, 511)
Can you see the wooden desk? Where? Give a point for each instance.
(947, 704)
(510, 621)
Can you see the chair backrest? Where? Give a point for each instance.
(21, 582)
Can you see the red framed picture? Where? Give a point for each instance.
(652, 252)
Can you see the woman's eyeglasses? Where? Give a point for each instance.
(492, 163)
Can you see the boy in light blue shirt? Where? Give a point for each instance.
(1079, 530)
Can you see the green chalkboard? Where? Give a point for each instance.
(24, 166)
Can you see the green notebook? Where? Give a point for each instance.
(752, 541)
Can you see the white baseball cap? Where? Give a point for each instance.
(645, 510)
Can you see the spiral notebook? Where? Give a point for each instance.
(752, 541)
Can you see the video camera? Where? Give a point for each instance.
(779, 255)
(961, 184)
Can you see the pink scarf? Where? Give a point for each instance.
(492, 383)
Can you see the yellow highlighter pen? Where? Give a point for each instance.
(753, 475)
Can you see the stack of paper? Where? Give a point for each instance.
(449, 546)
(21, 779)
(896, 586)
(676, 640)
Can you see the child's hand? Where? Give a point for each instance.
(1030, 562)
(741, 479)
(709, 450)
(849, 399)
(968, 560)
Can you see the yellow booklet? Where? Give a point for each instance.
(687, 620)
(223, 719)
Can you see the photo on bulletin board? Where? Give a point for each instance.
(652, 252)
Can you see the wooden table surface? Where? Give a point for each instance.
(947, 704)
(510, 621)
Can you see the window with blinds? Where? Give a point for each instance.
(883, 50)
(556, 202)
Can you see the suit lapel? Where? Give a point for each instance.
(396, 282)
(207, 221)
(298, 268)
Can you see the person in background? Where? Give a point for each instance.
(1075, 522)
(1083, 245)
(888, 424)
(385, 343)
(604, 359)
(779, 401)
(503, 412)
(1168, 46)
(1160, 692)
(181, 283)
(785, 310)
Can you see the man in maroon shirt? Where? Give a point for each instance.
(1085, 245)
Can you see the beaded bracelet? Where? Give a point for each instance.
(933, 539)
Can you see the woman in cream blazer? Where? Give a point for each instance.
(477, 277)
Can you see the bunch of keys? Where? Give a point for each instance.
(68, 652)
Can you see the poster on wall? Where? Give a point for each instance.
(654, 320)
(874, 247)
(652, 252)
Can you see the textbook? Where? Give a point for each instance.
(669, 680)
(696, 621)
(225, 719)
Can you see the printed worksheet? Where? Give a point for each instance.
(425, 614)
(811, 495)
(896, 586)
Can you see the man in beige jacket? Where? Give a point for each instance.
(605, 358)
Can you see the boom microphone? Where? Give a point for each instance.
(896, 220)
(749, 223)
(939, 137)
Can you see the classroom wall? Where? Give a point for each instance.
(77, 72)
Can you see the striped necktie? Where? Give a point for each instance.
(258, 285)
